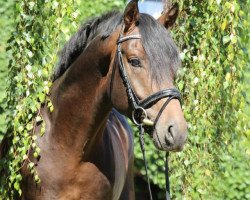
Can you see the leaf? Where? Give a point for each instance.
(31, 165)
(25, 157)
(17, 186)
(41, 97)
(223, 25)
(37, 179)
(226, 39)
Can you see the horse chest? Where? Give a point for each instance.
(83, 182)
(86, 180)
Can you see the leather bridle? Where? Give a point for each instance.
(139, 114)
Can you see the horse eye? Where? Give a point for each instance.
(135, 62)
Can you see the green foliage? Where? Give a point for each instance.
(96, 7)
(233, 182)
(6, 22)
(210, 35)
(246, 40)
(33, 47)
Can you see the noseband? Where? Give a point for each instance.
(139, 114)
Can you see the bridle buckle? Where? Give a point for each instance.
(140, 117)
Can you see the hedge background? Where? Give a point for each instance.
(214, 40)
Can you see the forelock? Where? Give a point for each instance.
(160, 48)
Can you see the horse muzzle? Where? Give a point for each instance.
(170, 136)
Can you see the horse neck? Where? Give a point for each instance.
(81, 105)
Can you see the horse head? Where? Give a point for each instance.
(144, 64)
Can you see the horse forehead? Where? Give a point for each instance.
(134, 46)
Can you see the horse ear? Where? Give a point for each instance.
(131, 15)
(169, 17)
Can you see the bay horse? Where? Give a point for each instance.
(116, 63)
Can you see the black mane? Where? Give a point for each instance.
(106, 23)
(156, 40)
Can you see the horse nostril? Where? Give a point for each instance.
(170, 130)
(169, 139)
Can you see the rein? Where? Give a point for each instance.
(139, 114)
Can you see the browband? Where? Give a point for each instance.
(123, 39)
